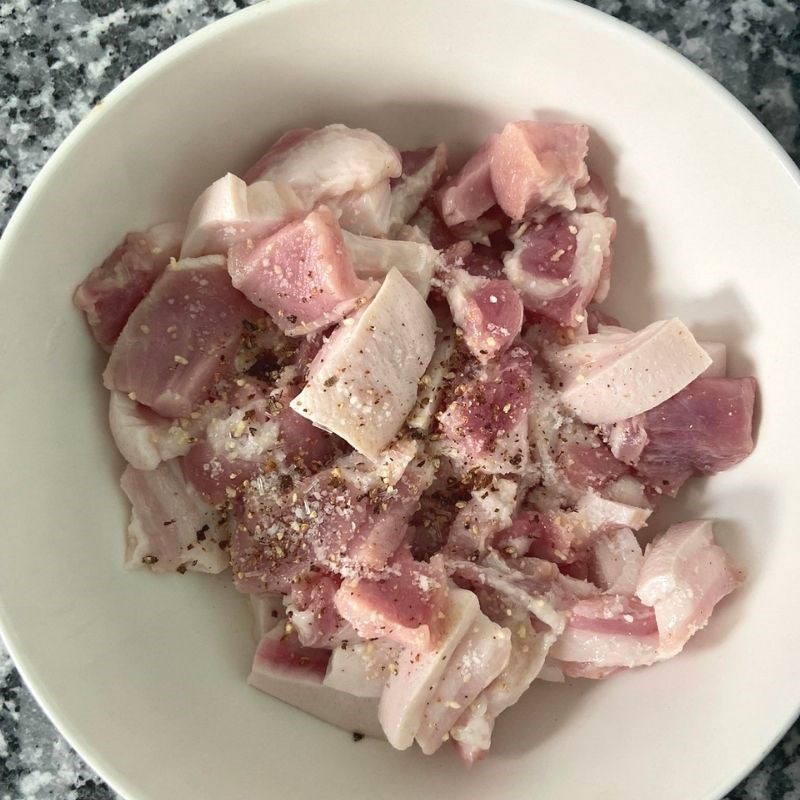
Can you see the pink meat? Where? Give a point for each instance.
(533, 163)
(405, 603)
(301, 275)
(707, 427)
(483, 425)
(589, 467)
(556, 265)
(172, 528)
(112, 291)
(181, 339)
(285, 655)
(214, 475)
(469, 193)
(304, 444)
(312, 612)
(488, 312)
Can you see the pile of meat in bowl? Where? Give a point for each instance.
(386, 397)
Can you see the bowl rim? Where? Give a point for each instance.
(180, 49)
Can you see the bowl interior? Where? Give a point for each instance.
(145, 674)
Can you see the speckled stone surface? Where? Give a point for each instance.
(751, 46)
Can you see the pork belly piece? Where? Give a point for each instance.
(617, 562)
(706, 428)
(556, 265)
(181, 339)
(294, 674)
(469, 193)
(172, 528)
(417, 674)
(373, 259)
(327, 163)
(608, 377)
(533, 163)
(488, 312)
(404, 603)
(485, 426)
(301, 275)
(111, 292)
(479, 658)
(363, 383)
(143, 437)
(684, 575)
(472, 733)
(422, 170)
(230, 211)
(366, 213)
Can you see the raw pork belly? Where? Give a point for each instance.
(387, 397)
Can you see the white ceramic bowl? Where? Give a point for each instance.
(145, 674)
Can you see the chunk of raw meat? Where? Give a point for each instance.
(412, 685)
(366, 213)
(556, 265)
(327, 163)
(143, 437)
(405, 603)
(301, 275)
(181, 339)
(616, 562)
(422, 170)
(112, 291)
(479, 658)
(294, 674)
(374, 258)
(469, 193)
(363, 383)
(608, 377)
(707, 427)
(172, 528)
(230, 211)
(488, 312)
(684, 575)
(533, 163)
(485, 427)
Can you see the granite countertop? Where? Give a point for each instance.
(59, 57)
